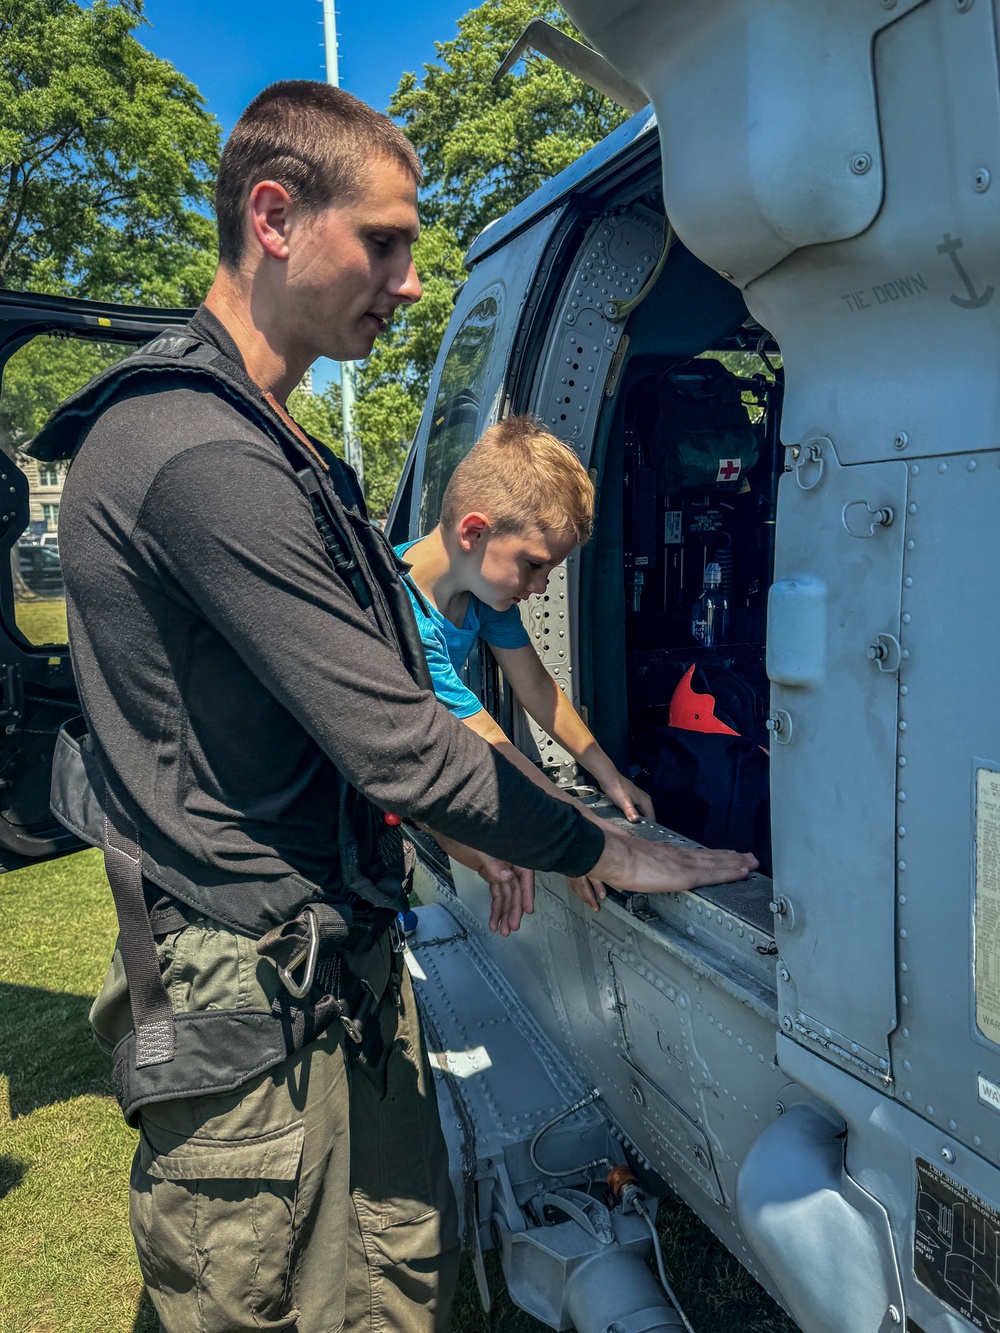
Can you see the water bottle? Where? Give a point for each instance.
(710, 613)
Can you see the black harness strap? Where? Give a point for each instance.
(152, 1012)
(217, 1050)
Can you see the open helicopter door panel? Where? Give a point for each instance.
(49, 347)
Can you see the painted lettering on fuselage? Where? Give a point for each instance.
(884, 293)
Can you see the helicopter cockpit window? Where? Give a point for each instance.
(460, 402)
(36, 378)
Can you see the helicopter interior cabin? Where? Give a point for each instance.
(688, 460)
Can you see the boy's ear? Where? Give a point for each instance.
(473, 529)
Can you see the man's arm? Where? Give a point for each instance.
(233, 531)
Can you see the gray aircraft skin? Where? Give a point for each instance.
(811, 1063)
(807, 395)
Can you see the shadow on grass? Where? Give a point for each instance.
(48, 1049)
(145, 1317)
(12, 1172)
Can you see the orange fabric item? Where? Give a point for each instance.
(691, 711)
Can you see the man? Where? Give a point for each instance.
(253, 707)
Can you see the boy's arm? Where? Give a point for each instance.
(544, 701)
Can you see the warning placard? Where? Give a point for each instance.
(956, 1247)
(988, 903)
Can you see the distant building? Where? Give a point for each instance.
(45, 483)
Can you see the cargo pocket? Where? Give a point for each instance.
(407, 1132)
(215, 1227)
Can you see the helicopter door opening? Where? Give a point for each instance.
(674, 584)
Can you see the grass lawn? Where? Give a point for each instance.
(42, 620)
(68, 1264)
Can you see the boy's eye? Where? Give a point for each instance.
(534, 566)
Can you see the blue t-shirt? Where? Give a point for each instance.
(447, 646)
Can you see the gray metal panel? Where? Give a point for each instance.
(833, 768)
(590, 980)
(861, 323)
(885, 1139)
(952, 727)
(767, 114)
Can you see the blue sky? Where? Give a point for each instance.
(231, 50)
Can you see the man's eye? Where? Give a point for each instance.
(383, 244)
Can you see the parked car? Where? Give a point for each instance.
(40, 568)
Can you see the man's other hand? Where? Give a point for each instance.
(635, 865)
(512, 889)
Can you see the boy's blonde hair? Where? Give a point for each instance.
(521, 477)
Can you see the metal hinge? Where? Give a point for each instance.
(617, 361)
(12, 707)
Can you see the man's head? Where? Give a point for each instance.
(316, 203)
(515, 507)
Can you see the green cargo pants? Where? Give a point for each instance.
(315, 1198)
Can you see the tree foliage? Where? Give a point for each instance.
(107, 159)
(484, 149)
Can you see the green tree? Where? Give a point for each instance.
(393, 382)
(107, 159)
(320, 414)
(484, 149)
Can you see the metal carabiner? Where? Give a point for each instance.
(310, 952)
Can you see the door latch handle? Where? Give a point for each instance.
(886, 653)
(809, 462)
(779, 724)
(861, 520)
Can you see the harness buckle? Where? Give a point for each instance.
(309, 952)
(354, 1027)
(397, 936)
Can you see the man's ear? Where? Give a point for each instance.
(473, 530)
(271, 210)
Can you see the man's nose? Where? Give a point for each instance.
(409, 290)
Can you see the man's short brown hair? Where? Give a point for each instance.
(315, 140)
(521, 477)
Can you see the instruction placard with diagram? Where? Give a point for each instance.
(988, 903)
(956, 1247)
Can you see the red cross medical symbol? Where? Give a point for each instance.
(729, 469)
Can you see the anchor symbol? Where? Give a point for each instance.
(973, 302)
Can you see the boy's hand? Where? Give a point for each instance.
(512, 889)
(631, 800)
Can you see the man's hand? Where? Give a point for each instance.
(512, 889)
(634, 865)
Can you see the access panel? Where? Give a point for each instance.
(833, 654)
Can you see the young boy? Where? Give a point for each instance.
(516, 506)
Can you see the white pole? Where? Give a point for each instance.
(348, 369)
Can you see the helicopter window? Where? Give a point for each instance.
(36, 378)
(460, 403)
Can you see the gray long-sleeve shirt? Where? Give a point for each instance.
(224, 667)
